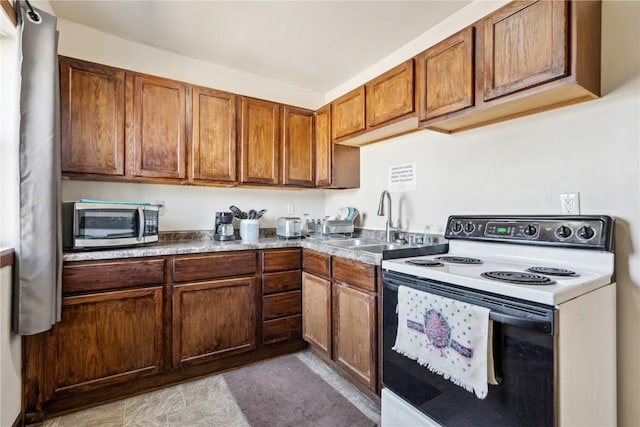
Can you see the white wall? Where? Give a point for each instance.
(82, 42)
(10, 344)
(193, 208)
(521, 166)
(10, 355)
(9, 88)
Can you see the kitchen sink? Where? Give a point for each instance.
(378, 248)
(365, 245)
(351, 243)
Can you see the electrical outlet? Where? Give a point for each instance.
(162, 208)
(570, 203)
(291, 208)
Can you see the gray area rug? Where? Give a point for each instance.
(285, 392)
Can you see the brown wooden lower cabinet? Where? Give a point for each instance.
(133, 325)
(282, 329)
(213, 319)
(355, 333)
(281, 295)
(106, 338)
(316, 312)
(340, 312)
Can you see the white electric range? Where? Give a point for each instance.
(548, 281)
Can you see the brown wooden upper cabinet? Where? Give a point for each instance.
(323, 148)
(382, 108)
(213, 149)
(391, 95)
(531, 56)
(121, 125)
(259, 142)
(347, 114)
(446, 73)
(156, 114)
(525, 44)
(91, 98)
(336, 166)
(297, 147)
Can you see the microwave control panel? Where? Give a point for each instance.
(150, 222)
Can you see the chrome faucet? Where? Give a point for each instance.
(390, 233)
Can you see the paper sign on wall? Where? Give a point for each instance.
(402, 177)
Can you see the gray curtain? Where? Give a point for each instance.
(37, 293)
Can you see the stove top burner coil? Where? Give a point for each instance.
(551, 271)
(424, 262)
(459, 260)
(518, 277)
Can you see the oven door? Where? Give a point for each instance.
(523, 345)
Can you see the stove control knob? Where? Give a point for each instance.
(456, 227)
(585, 232)
(469, 227)
(530, 230)
(563, 232)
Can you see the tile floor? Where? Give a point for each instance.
(205, 402)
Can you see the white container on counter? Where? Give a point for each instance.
(249, 230)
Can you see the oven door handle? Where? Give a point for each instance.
(520, 322)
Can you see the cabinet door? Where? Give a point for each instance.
(525, 44)
(92, 118)
(316, 312)
(107, 338)
(355, 333)
(390, 95)
(212, 320)
(260, 142)
(445, 72)
(156, 132)
(213, 153)
(323, 147)
(297, 147)
(347, 114)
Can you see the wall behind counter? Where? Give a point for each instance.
(193, 208)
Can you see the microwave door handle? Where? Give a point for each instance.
(140, 222)
(520, 322)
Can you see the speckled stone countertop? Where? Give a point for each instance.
(196, 246)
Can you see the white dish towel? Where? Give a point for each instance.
(447, 336)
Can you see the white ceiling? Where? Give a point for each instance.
(316, 45)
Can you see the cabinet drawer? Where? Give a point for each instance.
(280, 282)
(202, 267)
(281, 260)
(286, 328)
(354, 273)
(279, 305)
(92, 277)
(316, 263)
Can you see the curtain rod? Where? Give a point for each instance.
(32, 14)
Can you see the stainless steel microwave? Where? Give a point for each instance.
(96, 224)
